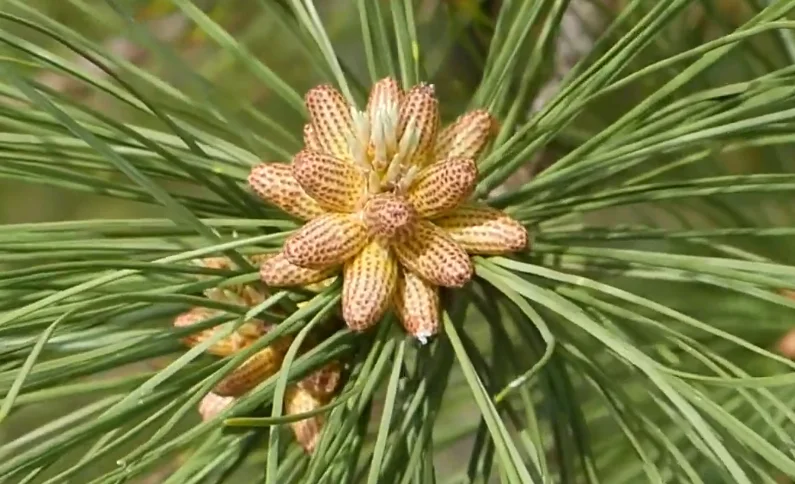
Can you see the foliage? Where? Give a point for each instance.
(628, 346)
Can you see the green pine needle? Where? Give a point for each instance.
(647, 146)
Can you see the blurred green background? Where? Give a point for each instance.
(188, 50)
(273, 43)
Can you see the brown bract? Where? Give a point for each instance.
(786, 345)
(313, 391)
(385, 193)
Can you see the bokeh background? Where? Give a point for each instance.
(455, 65)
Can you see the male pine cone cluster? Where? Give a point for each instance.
(386, 194)
(313, 391)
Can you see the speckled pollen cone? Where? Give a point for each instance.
(483, 230)
(306, 431)
(242, 294)
(225, 346)
(313, 391)
(212, 404)
(309, 394)
(370, 280)
(386, 194)
(278, 271)
(275, 183)
(323, 382)
(417, 305)
(326, 240)
(257, 368)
